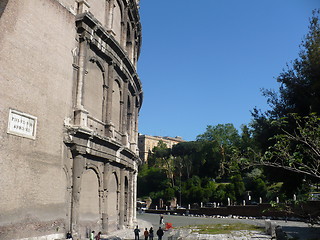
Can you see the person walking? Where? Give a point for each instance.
(92, 235)
(69, 236)
(151, 233)
(160, 233)
(98, 236)
(146, 234)
(161, 220)
(136, 233)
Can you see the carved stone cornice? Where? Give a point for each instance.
(83, 142)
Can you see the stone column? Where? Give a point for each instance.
(133, 44)
(78, 168)
(110, 15)
(104, 101)
(123, 39)
(134, 215)
(82, 71)
(101, 202)
(123, 34)
(134, 128)
(135, 53)
(110, 82)
(121, 203)
(130, 200)
(69, 208)
(123, 106)
(105, 198)
(124, 114)
(80, 112)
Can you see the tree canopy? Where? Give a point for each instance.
(288, 133)
(276, 155)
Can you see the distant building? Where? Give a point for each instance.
(147, 143)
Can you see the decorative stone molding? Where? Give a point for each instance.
(83, 6)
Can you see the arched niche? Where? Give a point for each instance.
(93, 91)
(113, 201)
(117, 19)
(89, 198)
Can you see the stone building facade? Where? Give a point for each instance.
(146, 143)
(69, 103)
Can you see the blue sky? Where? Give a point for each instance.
(204, 62)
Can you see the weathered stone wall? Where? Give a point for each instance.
(65, 70)
(96, 7)
(35, 62)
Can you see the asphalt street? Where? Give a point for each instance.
(294, 228)
(299, 230)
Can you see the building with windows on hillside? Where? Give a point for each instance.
(146, 143)
(69, 103)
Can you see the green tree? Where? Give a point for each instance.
(181, 152)
(239, 187)
(297, 150)
(223, 134)
(219, 195)
(151, 179)
(299, 90)
(168, 194)
(300, 85)
(211, 159)
(161, 157)
(285, 140)
(230, 192)
(226, 136)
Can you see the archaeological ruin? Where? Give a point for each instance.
(69, 103)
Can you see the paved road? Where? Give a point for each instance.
(179, 221)
(295, 229)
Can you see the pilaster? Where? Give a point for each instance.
(78, 167)
(105, 196)
(131, 194)
(122, 200)
(124, 112)
(110, 17)
(134, 215)
(110, 127)
(80, 114)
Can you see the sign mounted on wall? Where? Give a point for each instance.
(22, 124)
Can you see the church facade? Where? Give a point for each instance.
(69, 103)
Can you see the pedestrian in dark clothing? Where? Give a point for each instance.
(136, 233)
(160, 233)
(98, 236)
(151, 233)
(69, 236)
(161, 220)
(146, 234)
